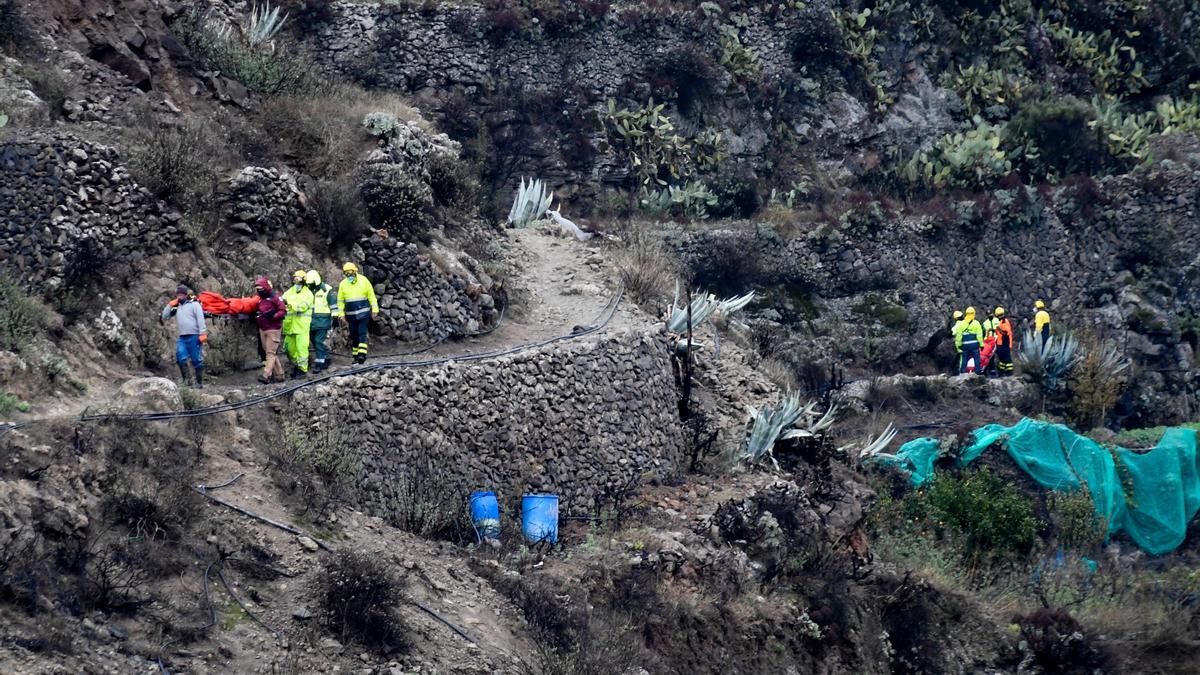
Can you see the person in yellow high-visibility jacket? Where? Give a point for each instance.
(297, 322)
(357, 304)
(1041, 321)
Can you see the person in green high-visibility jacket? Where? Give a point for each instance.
(325, 310)
(297, 322)
(956, 326)
(969, 340)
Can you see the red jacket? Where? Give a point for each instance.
(271, 311)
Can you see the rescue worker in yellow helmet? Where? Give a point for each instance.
(297, 323)
(969, 340)
(956, 327)
(325, 310)
(357, 305)
(1041, 321)
(1005, 342)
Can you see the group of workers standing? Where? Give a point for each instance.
(299, 318)
(988, 347)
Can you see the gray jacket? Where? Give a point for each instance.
(189, 316)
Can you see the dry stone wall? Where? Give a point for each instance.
(262, 202)
(419, 301)
(67, 205)
(573, 419)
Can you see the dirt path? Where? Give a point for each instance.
(560, 283)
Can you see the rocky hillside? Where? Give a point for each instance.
(863, 167)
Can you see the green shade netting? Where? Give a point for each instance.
(1152, 496)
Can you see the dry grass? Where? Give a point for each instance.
(320, 128)
(647, 270)
(780, 372)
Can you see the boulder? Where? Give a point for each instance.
(149, 394)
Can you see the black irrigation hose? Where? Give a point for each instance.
(602, 320)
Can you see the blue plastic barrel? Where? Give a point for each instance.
(485, 515)
(539, 518)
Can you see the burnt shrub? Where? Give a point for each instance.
(1085, 195)
(424, 499)
(147, 480)
(308, 15)
(737, 195)
(563, 17)
(689, 73)
(358, 597)
(819, 45)
(339, 211)
(397, 201)
(1057, 132)
(1059, 644)
(726, 265)
(453, 182)
(503, 19)
(16, 32)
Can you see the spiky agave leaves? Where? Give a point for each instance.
(769, 422)
(704, 306)
(263, 24)
(873, 448)
(1051, 360)
(530, 204)
(788, 419)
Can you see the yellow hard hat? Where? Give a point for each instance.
(350, 268)
(312, 278)
(298, 276)
(970, 311)
(1039, 304)
(957, 314)
(999, 311)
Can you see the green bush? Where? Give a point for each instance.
(19, 318)
(1075, 520)
(318, 462)
(971, 158)
(1146, 437)
(10, 403)
(990, 514)
(397, 201)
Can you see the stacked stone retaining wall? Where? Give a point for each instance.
(574, 419)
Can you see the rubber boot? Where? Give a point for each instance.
(200, 377)
(185, 374)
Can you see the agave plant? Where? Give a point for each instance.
(703, 307)
(1111, 360)
(873, 448)
(263, 24)
(530, 204)
(768, 424)
(1048, 361)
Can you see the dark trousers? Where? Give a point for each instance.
(358, 334)
(969, 352)
(1003, 360)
